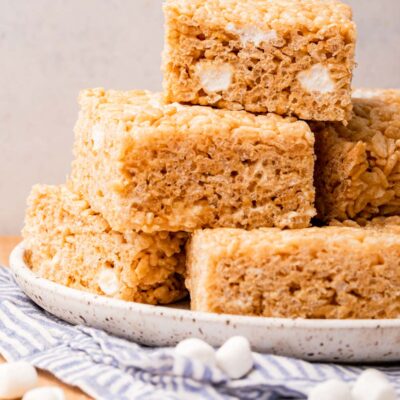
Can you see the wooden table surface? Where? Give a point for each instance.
(45, 379)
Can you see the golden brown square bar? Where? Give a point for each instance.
(282, 56)
(153, 167)
(358, 166)
(68, 243)
(331, 272)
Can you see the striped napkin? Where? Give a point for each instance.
(106, 367)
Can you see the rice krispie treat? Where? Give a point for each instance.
(358, 165)
(391, 223)
(331, 272)
(68, 243)
(153, 167)
(283, 56)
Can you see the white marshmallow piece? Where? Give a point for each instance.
(108, 282)
(316, 79)
(332, 389)
(97, 137)
(214, 77)
(156, 100)
(45, 393)
(196, 349)
(235, 358)
(365, 93)
(252, 34)
(373, 385)
(16, 378)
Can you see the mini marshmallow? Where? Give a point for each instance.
(235, 357)
(331, 390)
(97, 137)
(252, 34)
(196, 349)
(214, 77)
(365, 94)
(108, 281)
(373, 385)
(316, 79)
(45, 393)
(16, 378)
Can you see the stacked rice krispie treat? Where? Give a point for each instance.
(71, 244)
(281, 56)
(209, 186)
(329, 272)
(358, 165)
(149, 166)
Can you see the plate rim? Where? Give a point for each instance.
(19, 267)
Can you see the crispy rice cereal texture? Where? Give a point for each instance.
(148, 166)
(378, 223)
(331, 272)
(68, 243)
(283, 56)
(358, 165)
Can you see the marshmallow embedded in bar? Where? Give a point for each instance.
(68, 243)
(358, 165)
(282, 56)
(173, 168)
(332, 272)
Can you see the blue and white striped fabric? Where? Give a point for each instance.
(107, 367)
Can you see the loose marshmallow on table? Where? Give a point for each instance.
(16, 378)
(45, 393)
(196, 349)
(331, 390)
(235, 357)
(373, 385)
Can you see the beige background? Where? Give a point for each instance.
(49, 49)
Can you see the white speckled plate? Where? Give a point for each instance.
(328, 340)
